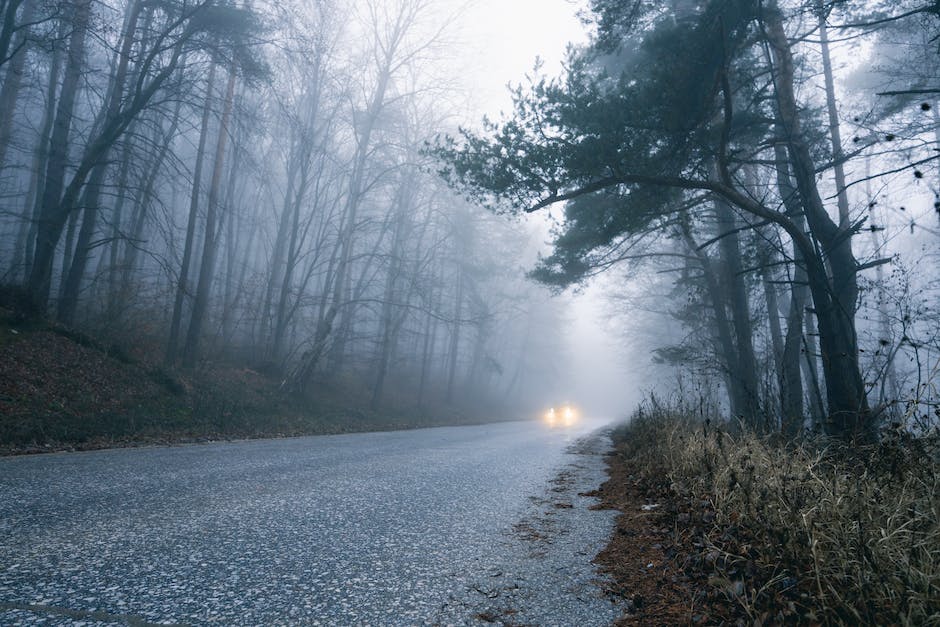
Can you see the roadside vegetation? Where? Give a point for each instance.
(736, 526)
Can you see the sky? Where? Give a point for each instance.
(499, 42)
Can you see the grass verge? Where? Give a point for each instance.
(722, 528)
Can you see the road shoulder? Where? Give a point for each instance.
(544, 574)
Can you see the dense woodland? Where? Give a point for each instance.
(769, 170)
(282, 185)
(248, 181)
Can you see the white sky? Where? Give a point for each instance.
(498, 43)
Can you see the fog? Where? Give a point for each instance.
(350, 199)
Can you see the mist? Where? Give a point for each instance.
(322, 194)
(260, 196)
(398, 312)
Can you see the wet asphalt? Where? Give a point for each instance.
(457, 525)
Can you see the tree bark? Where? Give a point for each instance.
(767, 260)
(835, 300)
(210, 241)
(182, 283)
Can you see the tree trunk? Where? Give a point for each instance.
(834, 300)
(58, 205)
(889, 378)
(791, 384)
(427, 353)
(811, 371)
(112, 105)
(737, 396)
(210, 242)
(139, 213)
(281, 318)
(278, 254)
(388, 325)
(182, 283)
(117, 222)
(233, 231)
(8, 27)
(744, 367)
(33, 205)
(356, 189)
(49, 224)
(73, 271)
(834, 134)
(455, 336)
(13, 80)
(767, 259)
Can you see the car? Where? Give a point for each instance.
(563, 415)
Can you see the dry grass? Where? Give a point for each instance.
(809, 533)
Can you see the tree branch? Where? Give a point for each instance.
(894, 18)
(873, 264)
(905, 92)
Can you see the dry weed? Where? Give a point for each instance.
(812, 532)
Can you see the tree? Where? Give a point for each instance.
(182, 283)
(212, 230)
(391, 30)
(92, 194)
(674, 121)
(192, 27)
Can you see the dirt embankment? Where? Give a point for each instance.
(64, 390)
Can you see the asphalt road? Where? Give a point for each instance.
(438, 526)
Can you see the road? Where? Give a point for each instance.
(458, 525)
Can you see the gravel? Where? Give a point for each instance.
(457, 525)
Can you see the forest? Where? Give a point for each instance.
(248, 184)
(285, 187)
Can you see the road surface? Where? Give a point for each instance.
(460, 525)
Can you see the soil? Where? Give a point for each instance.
(654, 556)
(63, 390)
